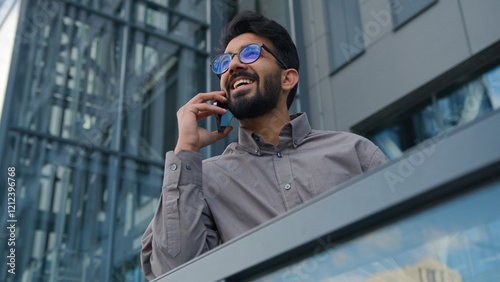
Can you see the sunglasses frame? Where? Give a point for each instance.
(261, 45)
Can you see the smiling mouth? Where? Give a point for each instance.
(240, 83)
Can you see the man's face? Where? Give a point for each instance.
(252, 89)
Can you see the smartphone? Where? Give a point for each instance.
(222, 120)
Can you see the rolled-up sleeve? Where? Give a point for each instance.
(182, 227)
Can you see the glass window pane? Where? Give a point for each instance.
(179, 26)
(439, 114)
(114, 8)
(62, 207)
(139, 189)
(345, 33)
(464, 104)
(491, 81)
(407, 130)
(69, 84)
(405, 10)
(457, 240)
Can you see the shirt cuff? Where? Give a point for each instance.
(187, 165)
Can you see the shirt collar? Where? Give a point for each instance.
(292, 134)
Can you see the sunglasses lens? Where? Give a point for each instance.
(250, 53)
(221, 63)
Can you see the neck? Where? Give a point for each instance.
(269, 125)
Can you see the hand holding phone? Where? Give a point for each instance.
(193, 137)
(222, 120)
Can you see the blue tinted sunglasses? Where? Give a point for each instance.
(247, 55)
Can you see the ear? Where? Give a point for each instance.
(289, 79)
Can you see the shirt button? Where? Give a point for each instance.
(287, 186)
(280, 155)
(188, 166)
(173, 167)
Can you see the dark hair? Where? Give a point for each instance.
(284, 48)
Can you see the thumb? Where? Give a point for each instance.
(224, 133)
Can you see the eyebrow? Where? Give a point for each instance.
(240, 48)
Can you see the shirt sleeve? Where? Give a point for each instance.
(369, 154)
(377, 158)
(182, 227)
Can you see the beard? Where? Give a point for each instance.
(259, 104)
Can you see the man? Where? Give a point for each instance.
(278, 163)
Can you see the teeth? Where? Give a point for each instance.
(237, 83)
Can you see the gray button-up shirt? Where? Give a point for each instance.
(206, 203)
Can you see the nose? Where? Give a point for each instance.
(235, 64)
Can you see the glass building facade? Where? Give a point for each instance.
(90, 112)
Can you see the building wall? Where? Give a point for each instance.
(394, 62)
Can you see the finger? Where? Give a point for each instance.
(204, 109)
(205, 97)
(200, 110)
(203, 115)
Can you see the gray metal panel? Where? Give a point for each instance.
(430, 165)
(401, 62)
(481, 22)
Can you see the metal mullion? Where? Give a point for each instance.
(47, 215)
(168, 38)
(83, 108)
(76, 87)
(76, 143)
(92, 195)
(175, 12)
(67, 63)
(115, 164)
(77, 194)
(51, 63)
(95, 11)
(59, 139)
(26, 89)
(60, 224)
(34, 209)
(34, 82)
(138, 107)
(156, 93)
(103, 72)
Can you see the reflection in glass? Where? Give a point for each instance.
(440, 114)
(455, 241)
(136, 202)
(186, 27)
(62, 208)
(68, 87)
(464, 104)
